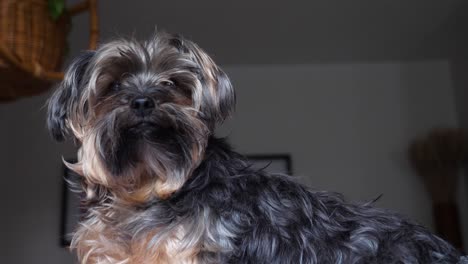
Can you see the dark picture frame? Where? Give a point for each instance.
(72, 210)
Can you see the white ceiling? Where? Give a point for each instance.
(272, 31)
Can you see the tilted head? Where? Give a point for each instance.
(142, 113)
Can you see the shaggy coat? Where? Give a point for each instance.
(160, 188)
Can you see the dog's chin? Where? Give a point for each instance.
(146, 125)
(134, 144)
(149, 131)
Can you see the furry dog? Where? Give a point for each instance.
(160, 188)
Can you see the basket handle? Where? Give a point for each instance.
(90, 5)
(36, 69)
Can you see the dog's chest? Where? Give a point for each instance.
(131, 241)
(166, 245)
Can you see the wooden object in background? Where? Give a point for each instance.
(438, 158)
(33, 45)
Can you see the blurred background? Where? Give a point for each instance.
(351, 90)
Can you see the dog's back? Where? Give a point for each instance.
(272, 219)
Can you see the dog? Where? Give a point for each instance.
(159, 187)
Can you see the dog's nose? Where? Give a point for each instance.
(142, 105)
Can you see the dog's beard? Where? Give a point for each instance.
(144, 156)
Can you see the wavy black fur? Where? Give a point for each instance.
(273, 219)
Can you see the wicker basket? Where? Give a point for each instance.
(32, 45)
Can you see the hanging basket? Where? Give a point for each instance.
(33, 45)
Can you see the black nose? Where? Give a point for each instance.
(143, 105)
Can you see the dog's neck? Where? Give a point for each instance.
(219, 159)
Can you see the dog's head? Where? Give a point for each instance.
(142, 112)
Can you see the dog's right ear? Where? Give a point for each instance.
(65, 98)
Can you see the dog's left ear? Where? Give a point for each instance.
(66, 97)
(219, 98)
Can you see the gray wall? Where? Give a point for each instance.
(459, 70)
(31, 186)
(280, 32)
(459, 74)
(346, 126)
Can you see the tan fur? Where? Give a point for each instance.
(170, 250)
(97, 242)
(92, 166)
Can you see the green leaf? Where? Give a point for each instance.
(56, 8)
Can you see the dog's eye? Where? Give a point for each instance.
(115, 86)
(167, 83)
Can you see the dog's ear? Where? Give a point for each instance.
(219, 98)
(64, 99)
(226, 95)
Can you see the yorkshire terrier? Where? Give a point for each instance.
(161, 188)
